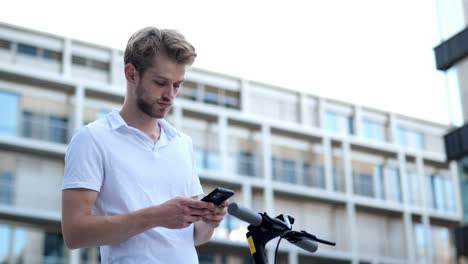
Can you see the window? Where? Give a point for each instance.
(77, 60)
(442, 192)
(363, 184)
(401, 136)
(331, 122)
(99, 65)
(51, 55)
(284, 170)
(314, 175)
(102, 113)
(394, 182)
(410, 138)
(90, 255)
(45, 127)
(338, 122)
(8, 113)
(206, 258)
(53, 249)
(57, 129)
(373, 130)
(6, 188)
(246, 163)
(5, 235)
(5, 44)
(90, 63)
(27, 50)
(206, 159)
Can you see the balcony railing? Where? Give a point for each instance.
(42, 127)
(298, 172)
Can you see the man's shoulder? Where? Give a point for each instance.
(92, 130)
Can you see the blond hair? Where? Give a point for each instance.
(150, 42)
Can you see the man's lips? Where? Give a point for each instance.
(165, 105)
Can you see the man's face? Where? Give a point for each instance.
(158, 86)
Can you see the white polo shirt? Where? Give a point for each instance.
(131, 172)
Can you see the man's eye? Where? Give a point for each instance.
(159, 83)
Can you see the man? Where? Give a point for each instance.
(130, 184)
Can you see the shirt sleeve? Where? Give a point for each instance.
(83, 162)
(196, 188)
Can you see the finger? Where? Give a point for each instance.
(225, 204)
(199, 212)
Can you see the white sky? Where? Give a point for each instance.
(376, 53)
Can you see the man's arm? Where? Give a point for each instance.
(81, 229)
(204, 229)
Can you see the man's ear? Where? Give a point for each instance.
(131, 73)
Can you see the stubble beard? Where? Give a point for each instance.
(146, 106)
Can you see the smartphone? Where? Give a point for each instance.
(218, 196)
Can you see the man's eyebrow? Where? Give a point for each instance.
(166, 79)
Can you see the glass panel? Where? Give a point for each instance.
(338, 173)
(437, 190)
(77, 60)
(53, 249)
(206, 258)
(246, 163)
(99, 65)
(373, 130)
(363, 178)
(52, 55)
(27, 50)
(5, 44)
(395, 185)
(331, 122)
(6, 188)
(57, 129)
(5, 234)
(90, 255)
(401, 136)
(8, 113)
(102, 113)
(420, 241)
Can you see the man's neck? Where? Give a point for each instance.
(137, 119)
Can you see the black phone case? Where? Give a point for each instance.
(218, 196)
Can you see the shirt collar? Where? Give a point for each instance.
(116, 121)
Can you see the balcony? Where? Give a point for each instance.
(298, 172)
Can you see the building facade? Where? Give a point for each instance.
(375, 182)
(452, 58)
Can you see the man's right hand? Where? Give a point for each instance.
(181, 212)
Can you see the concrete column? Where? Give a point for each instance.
(114, 67)
(74, 256)
(352, 227)
(78, 108)
(407, 220)
(303, 113)
(357, 121)
(424, 193)
(327, 158)
(247, 195)
(268, 190)
(66, 58)
(348, 173)
(428, 237)
(178, 117)
(392, 128)
(293, 256)
(454, 173)
(408, 228)
(223, 143)
(244, 96)
(321, 113)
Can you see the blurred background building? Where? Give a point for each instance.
(375, 182)
(451, 58)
